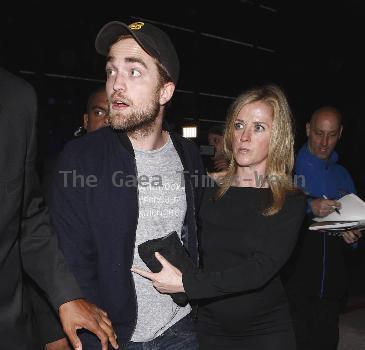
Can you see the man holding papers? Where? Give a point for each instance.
(352, 216)
(317, 282)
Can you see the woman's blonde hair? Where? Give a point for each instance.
(281, 145)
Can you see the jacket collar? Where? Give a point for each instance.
(125, 141)
(315, 160)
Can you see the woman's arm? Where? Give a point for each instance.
(254, 271)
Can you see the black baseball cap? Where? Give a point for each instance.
(152, 39)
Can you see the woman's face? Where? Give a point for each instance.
(252, 130)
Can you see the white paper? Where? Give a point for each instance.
(352, 209)
(332, 225)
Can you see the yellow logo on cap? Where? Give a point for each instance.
(136, 25)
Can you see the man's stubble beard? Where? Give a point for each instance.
(138, 121)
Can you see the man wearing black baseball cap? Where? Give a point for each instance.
(144, 191)
(152, 39)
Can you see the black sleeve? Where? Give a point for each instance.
(70, 218)
(47, 322)
(42, 260)
(262, 265)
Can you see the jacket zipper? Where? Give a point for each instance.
(323, 265)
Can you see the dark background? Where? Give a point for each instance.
(311, 48)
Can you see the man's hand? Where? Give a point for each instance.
(61, 344)
(351, 236)
(323, 207)
(168, 280)
(77, 314)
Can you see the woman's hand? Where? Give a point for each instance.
(167, 281)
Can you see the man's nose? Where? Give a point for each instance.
(324, 140)
(119, 83)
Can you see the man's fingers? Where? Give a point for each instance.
(103, 312)
(349, 237)
(99, 332)
(347, 240)
(143, 273)
(357, 233)
(110, 333)
(332, 203)
(106, 320)
(79, 314)
(74, 339)
(103, 329)
(101, 315)
(60, 344)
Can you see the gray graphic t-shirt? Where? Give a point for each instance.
(162, 209)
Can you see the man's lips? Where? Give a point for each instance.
(119, 104)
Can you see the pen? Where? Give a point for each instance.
(336, 209)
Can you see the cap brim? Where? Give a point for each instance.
(112, 31)
(109, 34)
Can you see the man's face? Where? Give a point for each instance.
(98, 113)
(323, 134)
(132, 86)
(216, 141)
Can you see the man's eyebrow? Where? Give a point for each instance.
(136, 60)
(97, 106)
(128, 60)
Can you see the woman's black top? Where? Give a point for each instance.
(239, 288)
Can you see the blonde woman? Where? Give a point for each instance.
(249, 226)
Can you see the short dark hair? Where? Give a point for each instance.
(100, 88)
(216, 130)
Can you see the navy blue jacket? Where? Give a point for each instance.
(322, 177)
(318, 266)
(94, 208)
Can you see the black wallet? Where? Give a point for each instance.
(171, 248)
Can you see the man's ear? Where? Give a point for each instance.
(339, 135)
(86, 120)
(308, 128)
(166, 92)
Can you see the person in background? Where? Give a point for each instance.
(122, 185)
(316, 276)
(28, 244)
(96, 115)
(97, 110)
(218, 161)
(249, 226)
